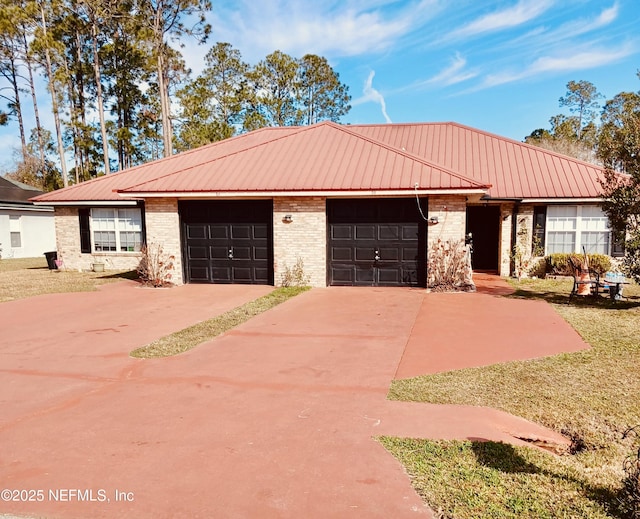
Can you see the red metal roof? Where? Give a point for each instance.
(513, 169)
(328, 157)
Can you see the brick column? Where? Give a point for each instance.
(305, 237)
(68, 239)
(452, 218)
(163, 228)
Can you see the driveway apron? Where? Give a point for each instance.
(276, 418)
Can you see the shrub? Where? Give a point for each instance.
(559, 263)
(631, 260)
(630, 495)
(449, 266)
(155, 267)
(295, 277)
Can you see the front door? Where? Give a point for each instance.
(483, 222)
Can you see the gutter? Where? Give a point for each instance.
(327, 194)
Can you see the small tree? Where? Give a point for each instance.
(619, 148)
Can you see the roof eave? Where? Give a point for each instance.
(304, 193)
(92, 203)
(563, 200)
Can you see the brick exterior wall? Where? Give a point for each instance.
(452, 218)
(163, 229)
(305, 237)
(68, 246)
(506, 227)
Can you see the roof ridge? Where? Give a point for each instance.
(411, 156)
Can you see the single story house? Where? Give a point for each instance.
(26, 230)
(358, 204)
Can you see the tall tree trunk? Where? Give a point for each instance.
(165, 106)
(54, 100)
(34, 98)
(17, 105)
(98, 78)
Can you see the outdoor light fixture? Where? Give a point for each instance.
(433, 220)
(287, 218)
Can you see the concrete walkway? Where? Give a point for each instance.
(276, 418)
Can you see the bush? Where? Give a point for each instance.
(559, 263)
(630, 495)
(631, 260)
(295, 277)
(155, 267)
(449, 266)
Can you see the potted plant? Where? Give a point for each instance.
(97, 265)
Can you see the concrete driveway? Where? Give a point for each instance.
(276, 418)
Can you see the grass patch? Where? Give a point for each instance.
(468, 480)
(28, 277)
(192, 336)
(590, 396)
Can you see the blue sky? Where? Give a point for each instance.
(497, 65)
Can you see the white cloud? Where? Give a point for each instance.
(524, 11)
(453, 74)
(583, 59)
(371, 95)
(346, 28)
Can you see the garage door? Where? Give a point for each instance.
(377, 242)
(227, 241)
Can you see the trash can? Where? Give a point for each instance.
(51, 259)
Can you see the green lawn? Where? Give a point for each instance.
(590, 396)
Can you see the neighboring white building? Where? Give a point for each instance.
(26, 230)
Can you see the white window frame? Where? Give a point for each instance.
(583, 221)
(15, 228)
(118, 223)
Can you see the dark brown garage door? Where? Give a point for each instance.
(227, 241)
(377, 242)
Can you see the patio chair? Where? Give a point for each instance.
(586, 282)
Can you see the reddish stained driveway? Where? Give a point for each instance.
(273, 419)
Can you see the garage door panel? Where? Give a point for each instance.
(409, 254)
(389, 232)
(241, 232)
(341, 254)
(199, 273)
(218, 232)
(261, 253)
(197, 253)
(364, 254)
(242, 253)
(219, 253)
(410, 232)
(341, 232)
(261, 275)
(221, 275)
(389, 276)
(195, 232)
(260, 232)
(364, 276)
(365, 232)
(390, 254)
